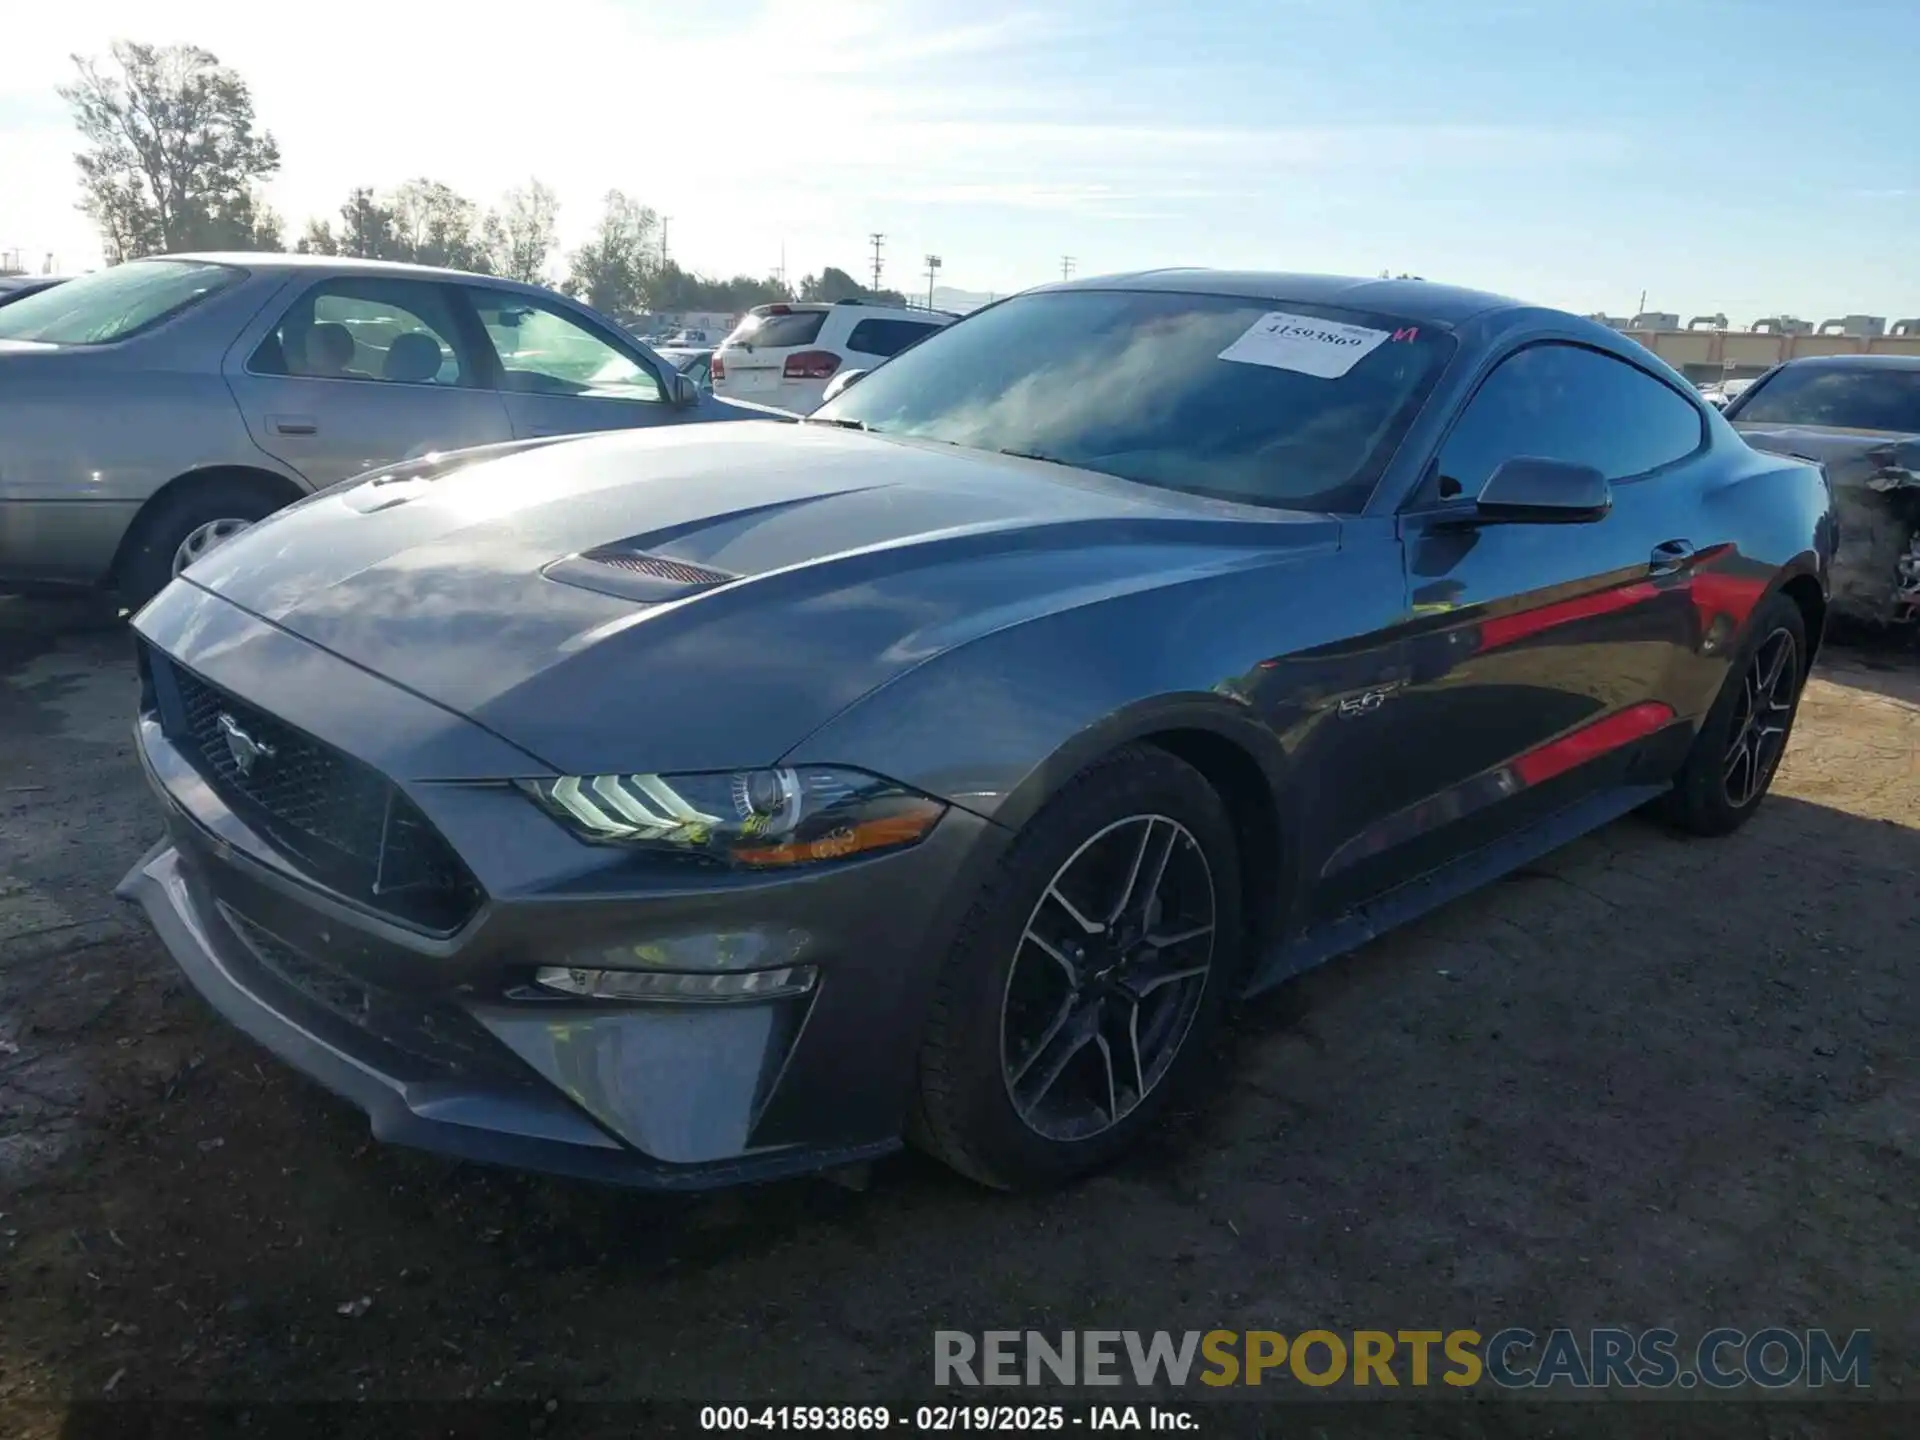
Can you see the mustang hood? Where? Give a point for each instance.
(706, 597)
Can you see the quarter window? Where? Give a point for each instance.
(546, 352)
(402, 332)
(887, 337)
(1566, 402)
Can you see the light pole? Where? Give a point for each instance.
(933, 268)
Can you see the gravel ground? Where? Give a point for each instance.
(1647, 1081)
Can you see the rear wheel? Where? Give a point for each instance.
(182, 526)
(1738, 749)
(1088, 979)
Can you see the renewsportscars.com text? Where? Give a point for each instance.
(1605, 1358)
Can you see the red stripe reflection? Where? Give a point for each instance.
(1506, 629)
(1590, 742)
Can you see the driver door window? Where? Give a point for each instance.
(559, 374)
(1565, 402)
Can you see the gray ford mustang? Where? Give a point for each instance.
(723, 802)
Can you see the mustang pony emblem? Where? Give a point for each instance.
(246, 751)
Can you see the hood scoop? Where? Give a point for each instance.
(628, 573)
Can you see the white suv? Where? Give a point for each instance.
(784, 355)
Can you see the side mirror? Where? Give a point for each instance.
(1530, 491)
(686, 390)
(840, 382)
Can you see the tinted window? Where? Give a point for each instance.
(1853, 397)
(887, 337)
(1564, 402)
(798, 327)
(545, 351)
(399, 331)
(112, 304)
(1138, 384)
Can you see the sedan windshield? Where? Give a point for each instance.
(1265, 402)
(112, 304)
(1849, 397)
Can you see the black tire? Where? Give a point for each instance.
(964, 1112)
(1704, 800)
(146, 565)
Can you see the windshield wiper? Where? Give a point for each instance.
(835, 420)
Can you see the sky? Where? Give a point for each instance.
(1751, 157)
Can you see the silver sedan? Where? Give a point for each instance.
(151, 410)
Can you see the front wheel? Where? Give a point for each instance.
(1732, 764)
(1087, 981)
(183, 525)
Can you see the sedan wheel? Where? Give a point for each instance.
(204, 538)
(1096, 1008)
(1085, 985)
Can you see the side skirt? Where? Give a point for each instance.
(1470, 872)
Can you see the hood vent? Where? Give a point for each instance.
(659, 567)
(635, 574)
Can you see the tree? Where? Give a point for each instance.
(520, 235)
(611, 271)
(172, 158)
(424, 221)
(437, 226)
(317, 239)
(367, 227)
(832, 284)
(671, 288)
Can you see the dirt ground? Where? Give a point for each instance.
(1647, 1081)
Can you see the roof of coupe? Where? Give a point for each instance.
(1412, 299)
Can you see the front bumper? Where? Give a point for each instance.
(437, 1039)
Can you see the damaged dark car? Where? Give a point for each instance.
(714, 803)
(1859, 417)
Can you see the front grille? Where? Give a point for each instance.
(339, 820)
(439, 1035)
(658, 567)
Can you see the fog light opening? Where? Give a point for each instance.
(673, 985)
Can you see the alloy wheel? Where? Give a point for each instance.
(1107, 977)
(1758, 734)
(203, 538)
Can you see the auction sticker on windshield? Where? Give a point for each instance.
(1321, 348)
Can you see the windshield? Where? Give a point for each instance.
(1860, 397)
(112, 304)
(1261, 401)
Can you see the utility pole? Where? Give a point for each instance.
(878, 240)
(783, 265)
(1066, 266)
(665, 220)
(933, 268)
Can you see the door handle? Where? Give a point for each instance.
(1670, 556)
(294, 424)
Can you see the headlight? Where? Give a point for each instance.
(756, 819)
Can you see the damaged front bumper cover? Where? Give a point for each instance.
(1876, 492)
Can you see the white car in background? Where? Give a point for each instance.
(785, 355)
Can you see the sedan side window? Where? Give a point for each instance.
(1566, 402)
(544, 351)
(402, 332)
